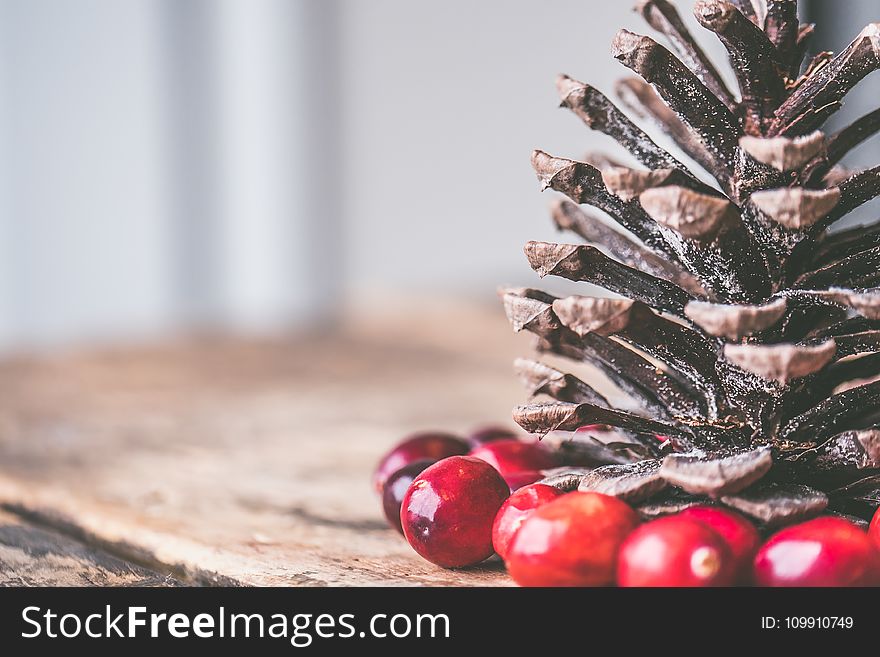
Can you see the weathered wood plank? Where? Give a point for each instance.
(36, 556)
(250, 462)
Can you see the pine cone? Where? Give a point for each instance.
(745, 330)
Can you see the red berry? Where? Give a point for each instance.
(740, 535)
(490, 434)
(515, 510)
(675, 551)
(395, 488)
(571, 541)
(874, 529)
(448, 511)
(517, 480)
(592, 428)
(512, 456)
(826, 551)
(427, 445)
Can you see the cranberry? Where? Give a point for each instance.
(740, 535)
(419, 446)
(517, 480)
(485, 435)
(512, 456)
(826, 551)
(874, 529)
(675, 551)
(592, 428)
(448, 511)
(571, 541)
(515, 510)
(395, 488)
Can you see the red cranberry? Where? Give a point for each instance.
(825, 551)
(874, 529)
(675, 551)
(515, 510)
(490, 435)
(740, 535)
(592, 428)
(517, 480)
(427, 445)
(448, 511)
(571, 541)
(512, 456)
(395, 488)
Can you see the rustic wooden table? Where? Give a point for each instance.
(219, 461)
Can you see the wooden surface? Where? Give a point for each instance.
(31, 555)
(217, 461)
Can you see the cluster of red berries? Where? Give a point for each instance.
(459, 501)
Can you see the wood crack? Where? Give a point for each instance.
(59, 524)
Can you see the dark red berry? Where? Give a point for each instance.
(448, 511)
(395, 488)
(519, 479)
(675, 551)
(571, 541)
(512, 456)
(490, 434)
(826, 551)
(592, 428)
(417, 447)
(740, 535)
(874, 529)
(515, 510)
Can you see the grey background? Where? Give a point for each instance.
(178, 165)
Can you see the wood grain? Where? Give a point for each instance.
(223, 461)
(37, 556)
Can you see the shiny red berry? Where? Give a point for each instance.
(740, 535)
(515, 510)
(512, 456)
(448, 511)
(874, 529)
(490, 434)
(675, 551)
(826, 551)
(517, 480)
(395, 488)
(417, 447)
(570, 541)
(592, 428)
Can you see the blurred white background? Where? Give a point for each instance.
(254, 165)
